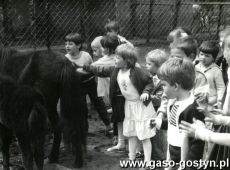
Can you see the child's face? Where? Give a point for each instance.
(97, 52)
(169, 90)
(227, 49)
(151, 66)
(176, 52)
(119, 62)
(71, 47)
(206, 59)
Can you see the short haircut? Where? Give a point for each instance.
(187, 44)
(210, 47)
(110, 41)
(112, 26)
(157, 56)
(178, 33)
(97, 42)
(74, 37)
(128, 53)
(178, 70)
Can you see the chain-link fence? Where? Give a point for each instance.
(36, 23)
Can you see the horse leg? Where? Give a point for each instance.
(27, 155)
(56, 126)
(39, 154)
(6, 137)
(78, 162)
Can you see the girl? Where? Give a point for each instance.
(135, 86)
(154, 59)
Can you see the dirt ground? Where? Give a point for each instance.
(96, 158)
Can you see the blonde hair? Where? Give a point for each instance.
(96, 42)
(157, 56)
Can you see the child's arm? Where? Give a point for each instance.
(199, 131)
(156, 97)
(162, 110)
(220, 87)
(99, 71)
(184, 147)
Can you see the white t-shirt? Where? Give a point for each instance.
(83, 58)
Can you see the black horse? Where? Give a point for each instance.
(55, 76)
(22, 113)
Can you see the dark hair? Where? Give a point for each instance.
(128, 53)
(110, 41)
(74, 37)
(187, 44)
(210, 47)
(112, 26)
(178, 70)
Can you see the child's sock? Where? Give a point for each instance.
(121, 138)
(132, 147)
(147, 146)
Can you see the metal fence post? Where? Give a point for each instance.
(133, 6)
(48, 23)
(7, 23)
(219, 20)
(149, 20)
(177, 8)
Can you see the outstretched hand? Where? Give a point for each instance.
(211, 115)
(190, 129)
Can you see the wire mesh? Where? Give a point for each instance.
(37, 23)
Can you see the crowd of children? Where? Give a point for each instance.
(180, 91)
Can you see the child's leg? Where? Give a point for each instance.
(147, 146)
(132, 147)
(99, 104)
(121, 138)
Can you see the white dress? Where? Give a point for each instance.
(136, 113)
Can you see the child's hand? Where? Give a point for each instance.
(144, 96)
(190, 129)
(214, 116)
(152, 123)
(80, 70)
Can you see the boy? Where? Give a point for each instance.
(73, 45)
(207, 56)
(112, 26)
(178, 76)
(186, 47)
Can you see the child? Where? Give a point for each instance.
(221, 61)
(97, 48)
(112, 26)
(207, 56)
(109, 43)
(178, 76)
(154, 59)
(135, 85)
(88, 83)
(176, 34)
(186, 47)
